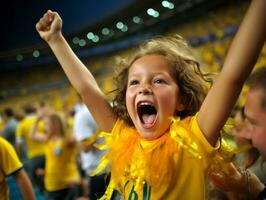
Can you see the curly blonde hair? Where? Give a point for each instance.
(188, 75)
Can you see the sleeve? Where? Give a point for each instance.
(200, 135)
(9, 160)
(205, 147)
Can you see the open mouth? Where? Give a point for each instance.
(147, 114)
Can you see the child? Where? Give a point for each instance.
(60, 154)
(161, 132)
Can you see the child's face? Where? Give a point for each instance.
(152, 95)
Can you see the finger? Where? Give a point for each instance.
(44, 24)
(234, 172)
(231, 169)
(50, 15)
(38, 26)
(45, 19)
(54, 16)
(218, 181)
(216, 178)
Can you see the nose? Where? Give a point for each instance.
(145, 89)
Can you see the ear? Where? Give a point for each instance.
(180, 107)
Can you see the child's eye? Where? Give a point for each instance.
(133, 82)
(159, 81)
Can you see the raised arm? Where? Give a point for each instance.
(49, 28)
(239, 62)
(35, 135)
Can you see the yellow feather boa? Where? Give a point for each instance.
(132, 158)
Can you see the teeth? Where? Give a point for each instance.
(144, 103)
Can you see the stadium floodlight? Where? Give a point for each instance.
(19, 57)
(82, 43)
(153, 13)
(165, 4)
(75, 40)
(137, 20)
(36, 53)
(171, 6)
(95, 39)
(105, 31)
(119, 25)
(168, 4)
(125, 28)
(90, 35)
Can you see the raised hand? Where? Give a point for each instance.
(228, 179)
(233, 180)
(49, 25)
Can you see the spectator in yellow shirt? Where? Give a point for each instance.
(11, 165)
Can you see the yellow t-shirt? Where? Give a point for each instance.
(61, 165)
(23, 131)
(171, 167)
(9, 163)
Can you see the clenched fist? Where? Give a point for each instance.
(49, 26)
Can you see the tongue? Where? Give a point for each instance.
(148, 119)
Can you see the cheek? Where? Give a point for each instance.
(258, 139)
(168, 102)
(260, 145)
(129, 101)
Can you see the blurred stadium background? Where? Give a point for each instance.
(98, 32)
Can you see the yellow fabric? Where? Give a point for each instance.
(70, 123)
(9, 163)
(60, 166)
(173, 166)
(24, 127)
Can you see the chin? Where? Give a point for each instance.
(150, 136)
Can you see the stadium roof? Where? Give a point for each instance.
(91, 26)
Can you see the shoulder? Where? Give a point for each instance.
(4, 144)
(6, 148)
(189, 123)
(121, 126)
(9, 160)
(188, 132)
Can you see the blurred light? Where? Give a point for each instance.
(171, 6)
(95, 38)
(19, 57)
(168, 4)
(165, 4)
(119, 25)
(137, 20)
(90, 35)
(156, 14)
(75, 40)
(152, 12)
(111, 33)
(82, 42)
(105, 31)
(125, 28)
(36, 53)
